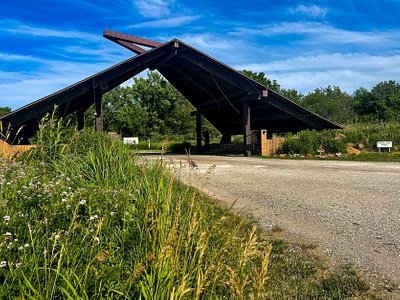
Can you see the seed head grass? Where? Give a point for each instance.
(96, 221)
(88, 218)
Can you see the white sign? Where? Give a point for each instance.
(384, 144)
(131, 140)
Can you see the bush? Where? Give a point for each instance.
(310, 141)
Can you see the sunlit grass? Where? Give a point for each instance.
(92, 220)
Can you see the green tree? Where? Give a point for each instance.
(262, 79)
(293, 95)
(167, 111)
(123, 113)
(4, 110)
(331, 103)
(382, 102)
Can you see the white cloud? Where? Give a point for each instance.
(35, 85)
(310, 11)
(166, 23)
(317, 32)
(207, 42)
(17, 27)
(154, 8)
(10, 57)
(348, 71)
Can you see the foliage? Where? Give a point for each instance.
(262, 79)
(97, 222)
(150, 108)
(366, 134)
(331, 103)
(308, 142)
(4, 111)
(363, 136)
(382, 102)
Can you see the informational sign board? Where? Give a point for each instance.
(131, 140)
(384, 144)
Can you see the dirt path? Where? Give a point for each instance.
(350, 209)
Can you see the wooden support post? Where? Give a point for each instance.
(226, 138)
(99, 110)
(246, 127)
(81, 120)
(198, 132)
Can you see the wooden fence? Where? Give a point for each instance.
(11, 151)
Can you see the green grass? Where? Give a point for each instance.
(91, 220)
(360, 136)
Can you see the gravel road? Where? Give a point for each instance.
(350, 209)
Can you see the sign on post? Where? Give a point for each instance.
(384, 144)
(131, 140)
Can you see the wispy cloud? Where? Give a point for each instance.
(17, 27)
(154, 8)
(318, 32)
(34, 85)
(313, 11)
(166, 23)
(10, 57)
(348, 71)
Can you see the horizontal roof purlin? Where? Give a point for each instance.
(216, 89)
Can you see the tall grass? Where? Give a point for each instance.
(95, 221)
(88, 219)
(363, 136)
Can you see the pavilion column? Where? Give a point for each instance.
(81, 120)
(226, 138)
(198, 132)
(246, 127)
(99, 110)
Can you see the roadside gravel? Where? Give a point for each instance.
(350, 209)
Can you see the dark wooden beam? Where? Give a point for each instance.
(81, 120)
(131, 47)
(80, 91)
(99, 110)
(112, 35)
(198, 132)
(298, 112)
(217, 71)
(246, 126)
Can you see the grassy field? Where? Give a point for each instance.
(361, 138)
(90, 220)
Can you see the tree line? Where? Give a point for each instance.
(153, 108)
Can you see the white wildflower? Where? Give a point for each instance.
(112, 213)
(3, 264)
(6, 218)
(97, 240)
(82, 202)
(26, 245)
(17, 265)
(94, 217)
(8, 234)
(57, 237)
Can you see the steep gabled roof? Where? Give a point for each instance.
(215, 89)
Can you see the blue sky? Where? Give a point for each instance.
(47, 45)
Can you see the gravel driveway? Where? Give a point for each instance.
(350, 209)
